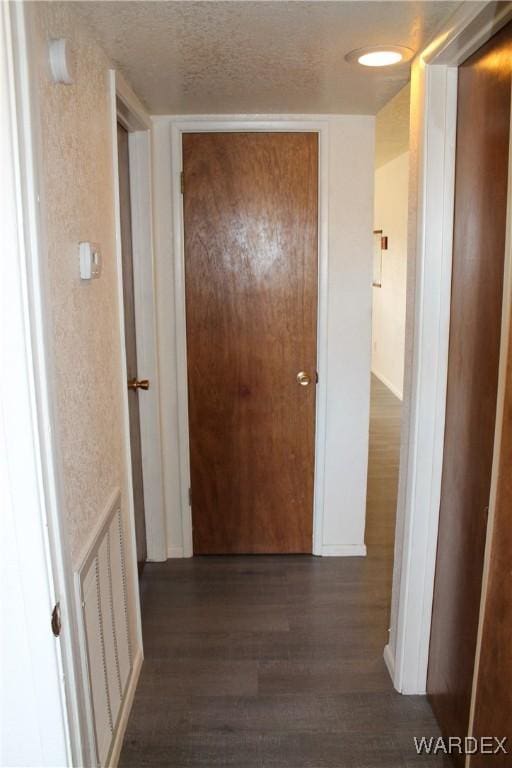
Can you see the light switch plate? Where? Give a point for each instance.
(90, 260)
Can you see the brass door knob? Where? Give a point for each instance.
(136, 384)
(303, 378)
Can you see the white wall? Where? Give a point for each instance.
(388, 324)
(351, 179)
(350, 153)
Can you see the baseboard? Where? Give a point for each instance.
(340, 550)
(388, 384)
(389, 661)
(125, 711)
(344, 550)
(174, 552)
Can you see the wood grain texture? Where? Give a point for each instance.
(251, 240)
(493, 702)
(130, 342)
(276, 662)
(476, 307)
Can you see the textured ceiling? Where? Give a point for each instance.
(255, 56)
(392, 128)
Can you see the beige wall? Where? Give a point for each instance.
(77, 186)
(388, 321)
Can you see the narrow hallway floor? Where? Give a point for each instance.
(276, 661)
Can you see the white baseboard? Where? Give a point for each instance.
(125, 711)
(174, 552)
(397, 393)
(339, 550)
(344, 550)
(389, 660)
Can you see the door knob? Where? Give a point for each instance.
(303, 378)
(136, 384)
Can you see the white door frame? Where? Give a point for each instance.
(132, 115)
(433, 126)
(225, 124)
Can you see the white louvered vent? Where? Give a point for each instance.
(102, 594)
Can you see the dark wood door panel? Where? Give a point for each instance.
(483, 125)
(250, 216)
(493, 700)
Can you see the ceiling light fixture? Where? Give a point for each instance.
(380, 55)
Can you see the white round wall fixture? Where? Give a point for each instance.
(380, 55)
(61, 61)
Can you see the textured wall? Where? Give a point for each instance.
(388, 325)
(78, 198)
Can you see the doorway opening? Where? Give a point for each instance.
(134, 383)
(389, 295)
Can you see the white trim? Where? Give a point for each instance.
(436, 81)
(389, 660)
(299, 123)
(125, 711)
(175, 552)
(130, 110)
(387, 383)
(123, 394)
(132, 115)
(146, 339)
(343, 550)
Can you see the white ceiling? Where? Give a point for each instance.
(258, 56)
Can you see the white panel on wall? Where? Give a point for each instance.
(101, 586)
(120, 607)
(96, 661)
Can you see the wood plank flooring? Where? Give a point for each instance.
(276, 661)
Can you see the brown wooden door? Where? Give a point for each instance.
(478, 262)
(130, 342)
(250, 214)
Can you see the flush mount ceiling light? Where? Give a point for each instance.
(380, 55)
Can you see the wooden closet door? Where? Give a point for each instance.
(493, 699)
(483, 126)
(251, 234)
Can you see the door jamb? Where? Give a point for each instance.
(226, 124)
(435, 95)
(132, 115)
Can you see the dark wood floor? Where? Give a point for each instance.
(276, 662)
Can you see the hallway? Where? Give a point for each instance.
(257, 662)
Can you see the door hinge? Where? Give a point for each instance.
(190, 497)
(182, 183)
(56, 622)
(316, 376)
